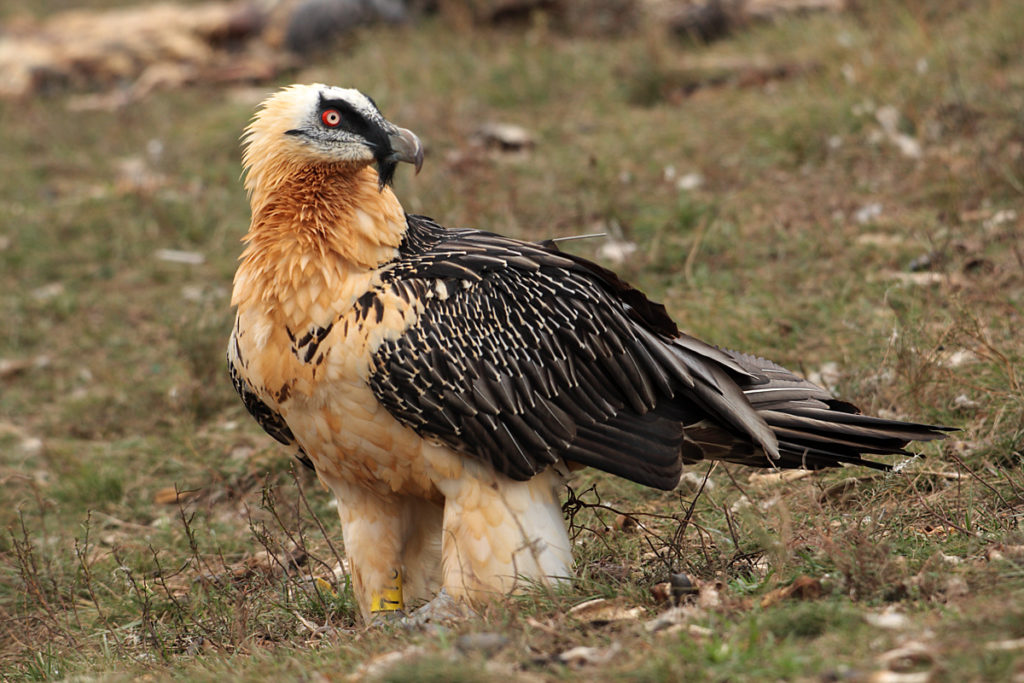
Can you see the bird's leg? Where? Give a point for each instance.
(372, 525)
(497, 531)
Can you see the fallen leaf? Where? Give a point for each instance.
(1005, 552)
(662, 592)
(888, 118)
(759, 480)
(803, 588)
(48, 291)
(626, 523)
(170, 495)
(9, 367)
(377, 666)
(602, 611)
(955, 359)
(1015, 644)
(1001, 217)
(924, 279)
(956, 587)
(548, 627)
(908, 658)
(582, 655)
(880, 239)
(828, 375)
(846, 489)
(896, 677)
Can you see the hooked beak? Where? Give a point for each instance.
(406, 147)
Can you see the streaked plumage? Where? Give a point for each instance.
(439, 379)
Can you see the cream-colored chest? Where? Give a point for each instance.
(313, 370)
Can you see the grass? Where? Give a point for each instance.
(150, 528)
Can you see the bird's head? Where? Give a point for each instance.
(304, 125)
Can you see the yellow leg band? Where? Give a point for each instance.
(390, 598)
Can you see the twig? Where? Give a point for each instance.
(691, 257)
(81, 552)
(956, 458)
(142, 595)
(316, 518)
(681, 530)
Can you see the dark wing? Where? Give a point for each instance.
(265, 416)
(523, 355)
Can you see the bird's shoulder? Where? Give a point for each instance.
(431, 252)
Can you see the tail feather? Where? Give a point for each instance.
(814, 430)
(803, 456)
(873, 434)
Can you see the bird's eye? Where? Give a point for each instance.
(331, 118)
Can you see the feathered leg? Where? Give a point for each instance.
(498, 532)
(372, 528)
(421, 551)
(393, 544)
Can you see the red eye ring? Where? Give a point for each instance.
(331, 118)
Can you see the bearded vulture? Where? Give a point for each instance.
(440, 381)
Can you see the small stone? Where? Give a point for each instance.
(888, 619)
(581, 656)
(507, 137)
(48, 292)
(189, 258)
(691, 482)
(690, 181)
(868, 213)
(617, 251)
(963, 403)
(486, 642)
(681, 586)
(31, 446)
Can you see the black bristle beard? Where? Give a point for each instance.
(385, 173)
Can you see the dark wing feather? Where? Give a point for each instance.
(523, 356)
(265, 416)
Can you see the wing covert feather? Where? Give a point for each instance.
(522, 356)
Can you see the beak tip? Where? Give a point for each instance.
(407, 147)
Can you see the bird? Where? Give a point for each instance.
(443, 382)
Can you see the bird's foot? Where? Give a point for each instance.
(388, 618)
(441, 611)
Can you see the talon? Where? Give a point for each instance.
(391, 617)
(443, 609)
(390, 598)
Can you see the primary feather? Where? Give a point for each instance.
(437, 379)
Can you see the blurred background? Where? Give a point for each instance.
(833, 184)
